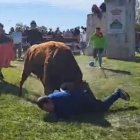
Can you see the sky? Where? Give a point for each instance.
(65, 14)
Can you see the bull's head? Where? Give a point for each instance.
(81, 87)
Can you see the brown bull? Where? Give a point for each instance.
(53, 63)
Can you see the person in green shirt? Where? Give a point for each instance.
(98, 42)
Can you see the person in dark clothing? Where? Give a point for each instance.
(76, 33)
(50, 32)
(96, 10)
(3, 37)
(103, 7)
(34, 36)
(11, 30)
(68, 103)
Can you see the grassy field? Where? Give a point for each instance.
(20, 119)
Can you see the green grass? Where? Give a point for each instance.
(20, 119)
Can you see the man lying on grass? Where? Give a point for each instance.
(69, 101)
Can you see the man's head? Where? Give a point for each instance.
(98, 32)
(67, 86)
(98, 29)
(45, 104)
(18, 29)
(33, 24)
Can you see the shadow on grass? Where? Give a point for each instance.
(130, 108)
(117, 71)
(91, 118)
(137, 59)
(8, 88)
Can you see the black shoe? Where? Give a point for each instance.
(123, 94)
(1, 76)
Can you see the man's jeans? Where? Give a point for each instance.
(95, 105)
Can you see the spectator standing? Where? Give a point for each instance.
(77, 33)
(98, 42)
(25, 44)
(96, 10)
(83, 38)
(34, 35)
(11, 30)
(17, 40)
(58, 33)
(103, 7)
(50, 32)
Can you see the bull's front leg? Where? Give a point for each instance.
(25, 74)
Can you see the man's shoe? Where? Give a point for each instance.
(92, 64)
(123, 94)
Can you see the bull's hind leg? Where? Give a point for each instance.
(45, 80)
(25, 75)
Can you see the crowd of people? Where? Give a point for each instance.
(18, 40)
(48, 32)
(26, 37)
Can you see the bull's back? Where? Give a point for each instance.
(36, 55)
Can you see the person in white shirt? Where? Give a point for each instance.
(17, 40)
(83, 38)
